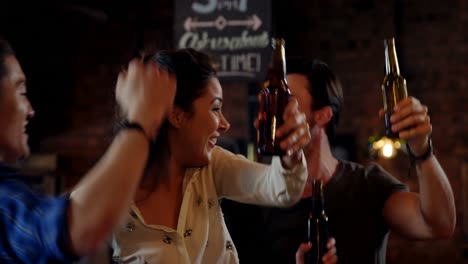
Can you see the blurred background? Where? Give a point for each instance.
(71, 52)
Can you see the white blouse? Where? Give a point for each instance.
(201, 235)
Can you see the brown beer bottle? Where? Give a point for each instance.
(393, 85)
(273, 98)
(317, 232)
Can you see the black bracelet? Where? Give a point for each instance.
(126, 124)
(424, 156)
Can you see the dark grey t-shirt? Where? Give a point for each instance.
(354, 199)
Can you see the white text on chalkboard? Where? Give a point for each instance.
(202, 40)
(217, 5)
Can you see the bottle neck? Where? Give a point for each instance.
(278, 65)
(318, 202)
(391, 60)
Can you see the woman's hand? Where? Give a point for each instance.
(294, 134)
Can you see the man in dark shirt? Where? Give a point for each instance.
(39, 229)
(363, 203)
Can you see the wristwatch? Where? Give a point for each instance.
(424, 156)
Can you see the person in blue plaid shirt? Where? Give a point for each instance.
(40, 229)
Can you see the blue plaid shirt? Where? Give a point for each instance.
(33, 227)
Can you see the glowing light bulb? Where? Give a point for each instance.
(387, 150)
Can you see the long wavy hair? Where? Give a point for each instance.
(193, 70)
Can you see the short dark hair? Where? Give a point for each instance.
(5, 51)
(324, 87)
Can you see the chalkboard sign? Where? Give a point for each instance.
(237, 33)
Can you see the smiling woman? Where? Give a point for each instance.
(15, 109)
(176, 216)
(195, 77)
(35, 228)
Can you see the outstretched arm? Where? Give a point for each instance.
(145, 94)
(431, 213)
(280, 184)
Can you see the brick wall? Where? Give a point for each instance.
(72, 58)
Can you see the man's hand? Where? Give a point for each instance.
(411, 122)
(329, 258)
